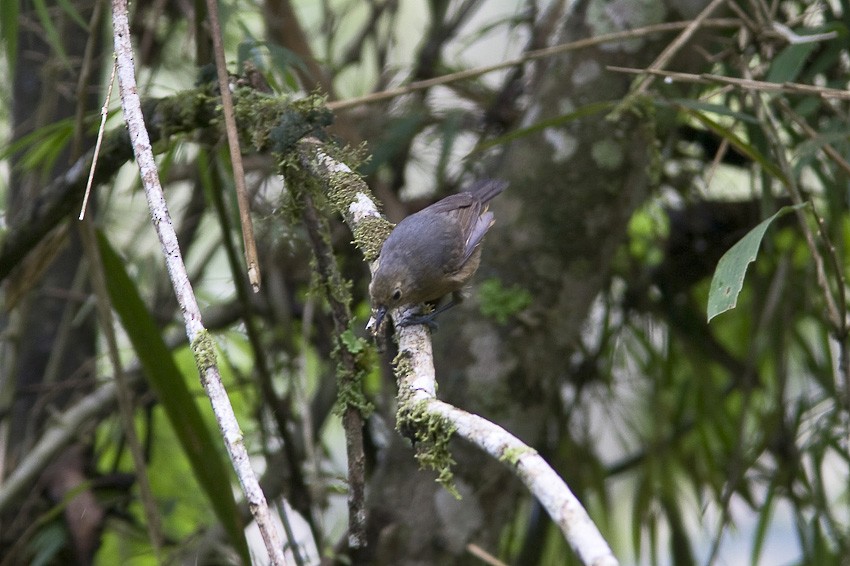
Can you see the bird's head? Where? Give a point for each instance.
(389, 289)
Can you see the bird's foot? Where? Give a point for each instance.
(428, 318)
(416, 318)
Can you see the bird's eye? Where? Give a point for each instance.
(396, 294)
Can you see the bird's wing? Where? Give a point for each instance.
(451, 204)
(470, 213)
(477, 229)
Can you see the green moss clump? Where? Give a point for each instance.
(371, 231)
(306, 117)
(182, 113)
(370, 235)
(500, 302)
(343, 188)
(256, 114)
(274, 123)
(429, 432)
(511, 456)
(351, 390)
(403, 367)
(203, 350)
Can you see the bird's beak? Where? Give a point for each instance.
(377, 319)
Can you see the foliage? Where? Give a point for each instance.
(729, 276)
(688, 442)
(502, 302)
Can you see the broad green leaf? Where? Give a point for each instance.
(728, 278)
(177, 401)
(48, 543)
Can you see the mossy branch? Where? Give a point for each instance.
(420, 415)
(268, 123)
(348, 350)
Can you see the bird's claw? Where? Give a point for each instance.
(426, 319)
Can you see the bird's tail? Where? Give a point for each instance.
(486, 189)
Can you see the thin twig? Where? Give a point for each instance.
(836, 317)
(264, 374)
(830, 151)
(841, 333)
(104, 112)
(78, 419)
(836, 308)
(525, 58)
(242, 196)
(483, 555)
(313, 468)
(746, 84)
(86, 69)
(643, 83)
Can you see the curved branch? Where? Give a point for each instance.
(417, 382)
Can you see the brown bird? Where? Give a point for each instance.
(432, 253)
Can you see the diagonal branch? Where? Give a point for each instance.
(203, 346)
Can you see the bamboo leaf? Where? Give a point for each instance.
(9, 23)
(764, 519)
(51, 34)
(719, 109)
(74, 14)
(737, 142)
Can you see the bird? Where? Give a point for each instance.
(433, 253)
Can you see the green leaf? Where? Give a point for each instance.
(712, 108)
(177, 401)
(728, 278)
(55, 135)
(9, 23)
(737, 142)
(48, 543)
(51, 34)
(787, 65)
(500, 302)
(75, 15)
(352, 343)
(765, 516)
